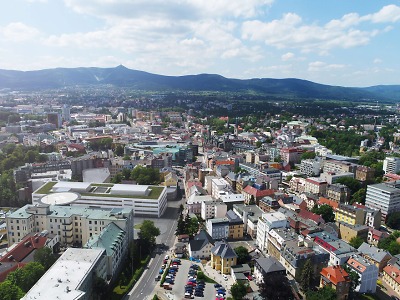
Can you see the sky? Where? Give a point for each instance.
(340, 42)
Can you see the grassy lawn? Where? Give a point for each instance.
(137, 226)
(47, 187)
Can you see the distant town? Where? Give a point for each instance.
(113, 193)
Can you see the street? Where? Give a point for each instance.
(167, 226)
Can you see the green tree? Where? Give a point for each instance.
(45, 257)
(117, 178)
(353, 184)
(242, 253)
(10, 291)
(27, 276)
(126, 173)
(307, 276)
(359, 196)
(308, 155)
(275, 286)
(325, 211)
(354, 282)
(147, 236)
(119, 150)
(238, 290)
(393, 220)
(356, 242)
(100, 287)
(144, 175)
(326, 293)
(180, 225)
(390, 244)
(193, 226)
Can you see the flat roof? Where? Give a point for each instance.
(63, 279)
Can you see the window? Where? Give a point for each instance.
(90, 222)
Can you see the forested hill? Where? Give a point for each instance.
(290, 88)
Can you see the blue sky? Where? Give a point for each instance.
(341, 42)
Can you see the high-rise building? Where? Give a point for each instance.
(384, 197)
(66, 113)
(391, 165)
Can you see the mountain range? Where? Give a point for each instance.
(121, 76)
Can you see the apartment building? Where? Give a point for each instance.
(75, 225)
(218, 228)
(350, 214)
(213, 209)
(334, 166)
(365, 174)
(338, 193)
(267, 222)
(391, 165)
(315, 185)
(367, 272)
(384, 197)
(338, 279)
(310, 167)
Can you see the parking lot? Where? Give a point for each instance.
(181, 280)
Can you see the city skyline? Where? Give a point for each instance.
(348, 43)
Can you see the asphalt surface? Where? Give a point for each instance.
(167, 226)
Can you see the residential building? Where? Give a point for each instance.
(195, 202)
(201, 245)
(218, 228)
(391, 274)
(213, 209)
(338, 192)
(73, 224)
(315, 185)
(367, 271)
(373, 218)
(391, 165)
(332, 178)
(291, 155)
(250, 215)
(295, 253)
(71, 276)
(347, 231)
(374, 255)
(170, 179)
(144, 200)
(384, 197)
(115, 241)
(365, 174)
(338, 279)
(276, 240)
(267, 222)
(338, 249)
(267, 266)
(375, 235)
(253, 195)
(235, 225)
(334, 166)
(223, 257)
(310, 167)
(219, 185)
(350, 214)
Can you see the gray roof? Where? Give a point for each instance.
(270, 264)
(373, 252)
(200, 241)
(224, 250)
(233, 218)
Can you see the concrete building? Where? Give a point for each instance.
(235, 225)
(338, 279)
(332, 178)
(367, 271)
(218, 228)
(315, 185)
(310, 167)
(145, 200)
(223, 257)
(267, 266)
(378, 257)
(218, 186)
(339, 193)
(391, 165)
(71, 276)
(201, 245)
(347, 231)
(350, 214)
(250, 215)
(75, 225)
(267, 222)
(384, 197)
(213, 209)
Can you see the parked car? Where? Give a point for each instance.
(217, 285)
(166, 256)
(161, 271)
(158, 278)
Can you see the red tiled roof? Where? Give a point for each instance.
(224, 162)
(8, 268)
(305, 214)
(189, 184)
(24, 248)
(258, 193)
(335, 274)
(331, 203)
(393, 272)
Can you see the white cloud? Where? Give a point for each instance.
(287, 56)
(317, 66)
(377, 61)
(389, 13)
(18, 32)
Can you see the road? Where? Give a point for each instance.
(167, 225)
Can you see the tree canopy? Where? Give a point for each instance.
(276, 286)
(393, 220)
(45, 257)
(307, 276)
(390, 244)
(353, 184)
(325, 211)
(238, 290)
(242, 253)
(144, 175)
(326, 293)
(356, 242)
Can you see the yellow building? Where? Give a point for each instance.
(235, 225)
(349, 214)
(170, 179)
(223, 257)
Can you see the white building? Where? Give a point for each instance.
(315, 185)
(391, 165)
(384, 197)
(213, 209)
(143, 199)
(367, 271)
(71, 276)
(310, 167)
(267, 222)
(73, 224)
(218, 186)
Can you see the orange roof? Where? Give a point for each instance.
(356, 265)
(393, 272)
(24, 248)
(258, 193)
(331, 203)
(335, 274)
(224, 162)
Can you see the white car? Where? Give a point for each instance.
(224, 277)
(166, 256)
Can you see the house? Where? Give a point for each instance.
(180, 249)
(391, 274)
(377, 256)
(338, 279)
(241, 272)
(200, 246)
(183, 238)
(347, 231)
(367, 271)
(223, 257)
(374, 236)
(170, 179)
(267, 265)
(218, 228)
(253, 195)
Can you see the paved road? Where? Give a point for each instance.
(167, 225)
